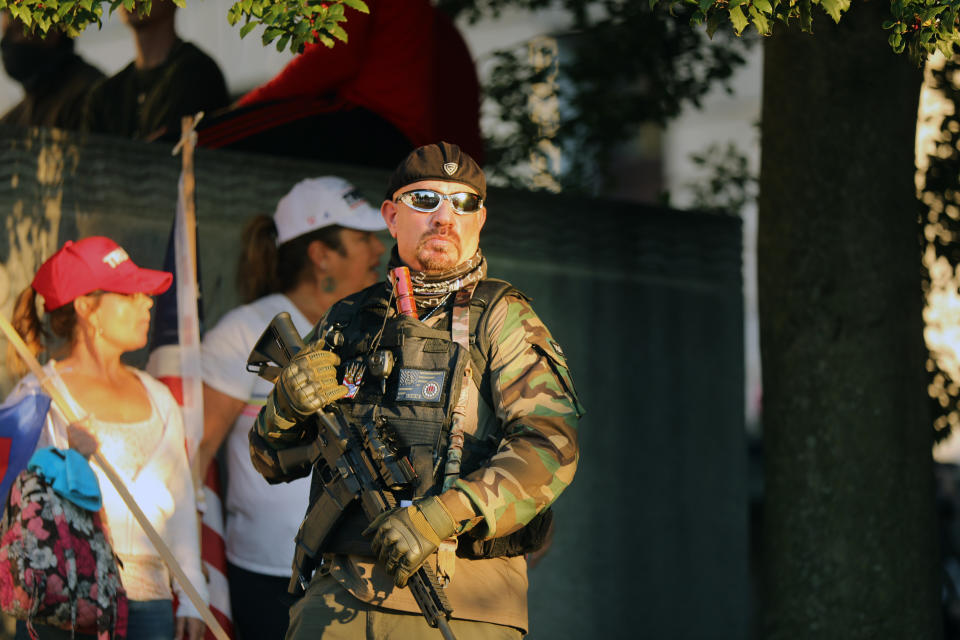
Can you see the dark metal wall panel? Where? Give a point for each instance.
(651, 538)
(652, 535)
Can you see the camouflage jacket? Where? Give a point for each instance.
(531, 418)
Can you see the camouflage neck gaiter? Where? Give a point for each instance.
(432, 289)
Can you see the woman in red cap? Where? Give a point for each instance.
(97, 304)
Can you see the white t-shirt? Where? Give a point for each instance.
(262, 519)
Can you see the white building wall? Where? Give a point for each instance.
(725, 118)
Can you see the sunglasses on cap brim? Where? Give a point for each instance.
(428, 201)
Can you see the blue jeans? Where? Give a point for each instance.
(148, 620)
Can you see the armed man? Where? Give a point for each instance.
(453, 372)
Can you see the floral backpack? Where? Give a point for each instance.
(57, 567)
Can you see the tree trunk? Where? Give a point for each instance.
(849, 533)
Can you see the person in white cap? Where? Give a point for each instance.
(318, 247)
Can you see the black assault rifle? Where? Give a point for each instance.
(363, 468)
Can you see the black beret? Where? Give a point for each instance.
(441, 161)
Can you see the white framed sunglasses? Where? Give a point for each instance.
(428, 201)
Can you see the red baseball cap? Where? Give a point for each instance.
(94, 264)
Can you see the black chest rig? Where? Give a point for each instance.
(414, 397)
(413, 401)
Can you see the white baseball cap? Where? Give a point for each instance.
(315, 203)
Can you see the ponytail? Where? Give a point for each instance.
(265, 268)
(27, 322)
(257, 265)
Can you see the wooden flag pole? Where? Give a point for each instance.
(188, 291)
(187, 144)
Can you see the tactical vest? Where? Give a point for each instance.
(414, 402)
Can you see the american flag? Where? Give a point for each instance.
(175, 360)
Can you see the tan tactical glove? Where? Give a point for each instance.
(404, 538)
(309, 382)
(305, 386)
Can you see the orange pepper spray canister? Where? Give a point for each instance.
(404, 290)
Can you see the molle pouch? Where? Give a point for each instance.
(527, 540)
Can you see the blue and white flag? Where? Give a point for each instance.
(20, 426)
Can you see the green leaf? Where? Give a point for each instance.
(759, 21)
(835, 8)
(763, 6)
(362, 7)
(180, 3)
(946, 48)
(338, 32)
(714, 21)
(327, 41)
(270, 34)
(705, 4)
(282, 42)
(738, 19)
(735, 3)
(933, 12)
(806, 18)
(950, 21)
(65, 7)
(247, 28)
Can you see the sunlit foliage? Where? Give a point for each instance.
(291, 23)
(916, 26)
(939, 190)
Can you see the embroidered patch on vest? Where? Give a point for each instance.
(556, 347)
(420, 386)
